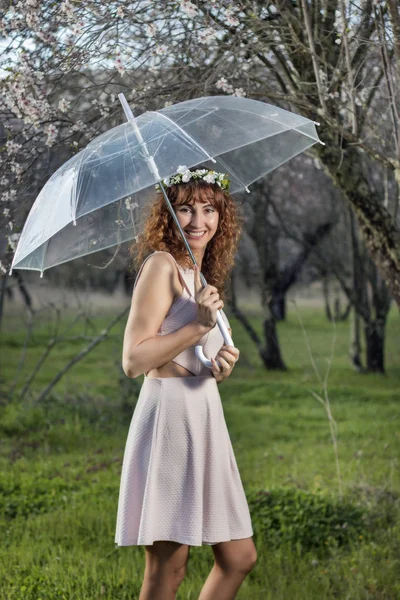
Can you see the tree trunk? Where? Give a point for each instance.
(375, 342)
(272, 353)
(380, 233)
(325, 289)
(355, 350)
(278, 306)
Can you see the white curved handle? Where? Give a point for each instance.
(225, 334)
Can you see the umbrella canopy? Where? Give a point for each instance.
(97, 198)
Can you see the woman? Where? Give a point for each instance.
(180, 485)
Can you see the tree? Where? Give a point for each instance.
(332, 61)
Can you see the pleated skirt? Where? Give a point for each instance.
(179, 478)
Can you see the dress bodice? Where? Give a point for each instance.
(182, 311)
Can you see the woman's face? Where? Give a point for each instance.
(200, 218)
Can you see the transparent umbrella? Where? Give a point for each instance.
(96, 200)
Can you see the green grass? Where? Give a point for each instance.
(61, 462)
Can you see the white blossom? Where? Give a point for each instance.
(151, 30)
(239, 92)
(160, 50)
(186, 176)
(118, 63)
(189, 8)
(8, 196)
(12, 147)
(210, 178)
(52, 133)
(63, 105)
(12, 240)
(223, 84)
(230, 17)
(32, 20)
(207, 35)
(67, 8)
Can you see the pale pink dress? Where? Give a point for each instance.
(179, 479)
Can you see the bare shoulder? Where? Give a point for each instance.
(158, 269)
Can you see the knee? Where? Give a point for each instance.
(242, 563)
(250, 561)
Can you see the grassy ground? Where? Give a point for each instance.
(61, 461)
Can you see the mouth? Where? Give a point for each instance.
(195, 235)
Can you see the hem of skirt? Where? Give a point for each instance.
(180, 541)
(182, 377)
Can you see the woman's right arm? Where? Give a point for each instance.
(153, 295)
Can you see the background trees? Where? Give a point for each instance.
(333, 61)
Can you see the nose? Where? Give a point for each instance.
(197, 220)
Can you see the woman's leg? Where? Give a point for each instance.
(165, 569)
(233, 561)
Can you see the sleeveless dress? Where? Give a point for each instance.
(179, 479)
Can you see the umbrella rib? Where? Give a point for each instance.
(186, 135)
(233, 173)
(187, 112)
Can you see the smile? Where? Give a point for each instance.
(195, 235)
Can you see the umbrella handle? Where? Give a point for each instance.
(227, 339)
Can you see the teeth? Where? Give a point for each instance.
(195, 234)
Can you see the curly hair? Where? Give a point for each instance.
(219, 255)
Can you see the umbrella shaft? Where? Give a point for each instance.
(153, 168)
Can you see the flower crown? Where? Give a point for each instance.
(183, 175)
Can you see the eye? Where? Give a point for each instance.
(186, 209)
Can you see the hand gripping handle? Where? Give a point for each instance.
(225, 334)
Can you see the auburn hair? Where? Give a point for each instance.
(219, 255)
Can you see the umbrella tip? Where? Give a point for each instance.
(41, 273)
(247, 189)
(10, 273)
(323, 143)
(74, 222)
(316, 123)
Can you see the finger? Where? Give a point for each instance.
(231, 350)
(211, 301)
(209, 291)
(224, 363)
(231, 360)
(198, 286)
(215, 365)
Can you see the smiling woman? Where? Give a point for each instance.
(180, 483)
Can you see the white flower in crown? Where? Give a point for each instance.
(186, 176)
(210, 178)
(182, 169)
